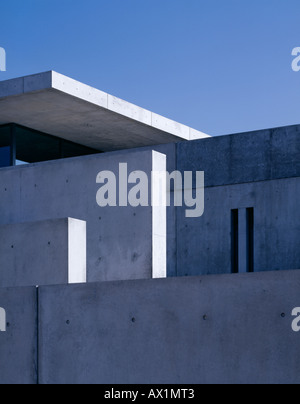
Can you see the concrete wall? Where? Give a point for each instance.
(211, 329)
(244, 157)
(18, 345)
(214, 329)
(204, 244)
(43, 253)
(260, 170)
(119, 240)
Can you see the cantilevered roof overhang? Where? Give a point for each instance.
(55, 104)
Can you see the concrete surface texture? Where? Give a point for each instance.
(57, 105)
(213, 329)
(18, 345)
(120, 241)
(244, 157)
(204, 245)
(43, 253)
(206, 329)
(259, 170)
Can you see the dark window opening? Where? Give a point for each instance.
(250, 240)
(235, 241)
(24, 145)
(242, 240)
(5, 157)
(5, 147)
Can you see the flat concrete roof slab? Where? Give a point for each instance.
(55, 104)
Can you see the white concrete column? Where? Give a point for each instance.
(77, 259)
(159, 215)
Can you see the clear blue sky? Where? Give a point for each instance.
(221, 66)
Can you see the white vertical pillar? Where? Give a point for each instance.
(77, 251)
(2, 60)
(159, 215)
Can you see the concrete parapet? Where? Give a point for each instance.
(18, 344)
(213, 329)
(43, 253)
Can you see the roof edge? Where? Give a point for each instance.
(51, 80)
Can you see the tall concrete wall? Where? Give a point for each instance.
(120, 242)
(43, 253)
(214, 329)
(204, 244)
(259, 170)
(244, 157)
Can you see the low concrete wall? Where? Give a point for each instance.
(43, 253)
(18, 345)
(214, 329)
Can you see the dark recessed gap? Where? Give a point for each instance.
(21, 145)
(235, 241)
(250, 240)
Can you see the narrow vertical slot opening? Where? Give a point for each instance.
(250, 240)
(235, 241)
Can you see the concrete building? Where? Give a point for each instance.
(100, 314)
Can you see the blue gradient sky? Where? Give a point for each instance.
(221, 66)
